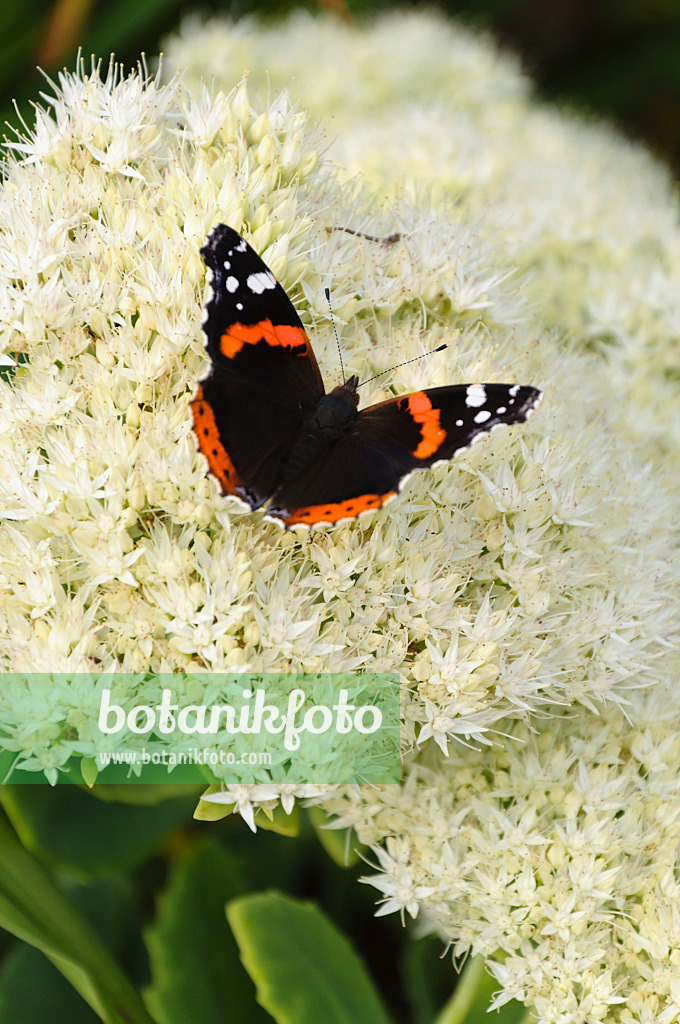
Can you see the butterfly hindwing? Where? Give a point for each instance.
(263, 378)
(369, 464)
(357, 472)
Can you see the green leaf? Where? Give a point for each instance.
(340, 847)
(32, 991)
(206, 810)
(70, 830)
(89, 770)
(198, 977)
(280, 822)
(34, 909)
(305, 970)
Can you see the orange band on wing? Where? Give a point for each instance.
(334, 511)
(432, 435)
(209, 443)
(238, 335)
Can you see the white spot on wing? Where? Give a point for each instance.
(482, 416)
(500, 410)
(260, 282)
(241, 247)
(514, 389)
(231, 284)
(459, 423)
(226, 264)
(239, 305)
(476, 395)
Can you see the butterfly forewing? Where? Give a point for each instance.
(263, 379)
(428, 426)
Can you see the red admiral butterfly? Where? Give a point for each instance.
(270, 432)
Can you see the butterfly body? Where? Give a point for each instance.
(273, 436)
(333, 416)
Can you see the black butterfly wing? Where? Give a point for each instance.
(431, 426)
(355, 473)
(263, 378)
(367, 466)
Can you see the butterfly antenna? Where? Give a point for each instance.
(407, 361)
(337, 340)
(396, 236)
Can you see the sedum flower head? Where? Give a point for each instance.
(499, 584)
(528, 593)
(553, 856)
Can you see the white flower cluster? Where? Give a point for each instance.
(550, 849)
(249, 799)
(119, 553)
(554, 857)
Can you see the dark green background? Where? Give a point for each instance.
(619, 57)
